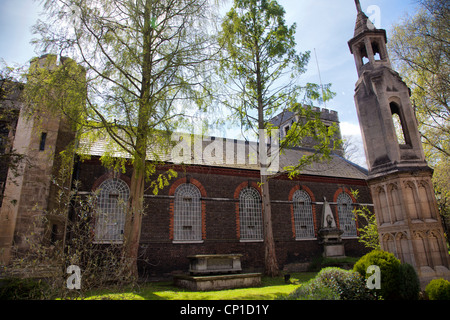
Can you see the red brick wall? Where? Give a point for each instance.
(220, 189)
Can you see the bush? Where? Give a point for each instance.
(350, 285)
(23, 289)
(334, 284)
(409, 283)
(313, 290)
(438, 289)
(390, 272)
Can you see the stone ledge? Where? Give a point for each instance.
(218, 282)
(214, 264)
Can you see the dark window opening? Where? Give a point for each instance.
(376, 51)
(54, 234)
(399, 125)
(286, 130)
(42, 143)
(364, 56)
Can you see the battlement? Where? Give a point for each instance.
(327, 114)
(286, 116)
(49, 61)
(52, 62)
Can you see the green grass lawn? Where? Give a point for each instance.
(270, 289)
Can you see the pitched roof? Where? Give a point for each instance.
(337, 166)
(226, 153)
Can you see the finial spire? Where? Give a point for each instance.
(358, 6)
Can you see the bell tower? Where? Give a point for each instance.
(409, 224)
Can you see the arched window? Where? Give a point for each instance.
(187, 214)
(111, 210)
(303, 215)
(376, 51)
(345, 214)
(398, 128)
(250, 214)
(399, 125)
(363, 54)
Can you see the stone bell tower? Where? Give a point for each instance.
(399, 178)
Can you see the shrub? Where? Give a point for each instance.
(438, 289)
(313, 290)
(390, 272)
(409, 283)
(350, 285)
(23, 289)
(334, 284)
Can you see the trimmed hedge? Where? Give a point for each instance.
(390, 270)
(409, 284)
(438, 289)
(398, 281)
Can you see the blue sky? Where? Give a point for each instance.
(326, 26)
(323, 25)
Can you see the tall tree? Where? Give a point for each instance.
(420, 47)
(145, 61)
(261, 68)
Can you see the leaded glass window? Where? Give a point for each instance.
(250, 214)
(346, 217)
(303, 215)
(111, 211)
(188, 213)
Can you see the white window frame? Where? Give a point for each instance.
(347, 222)
(303, 216)
(250, 215)
(187, 226)
(111, 211)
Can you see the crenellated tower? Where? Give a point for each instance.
(409, 224)
(27, 200)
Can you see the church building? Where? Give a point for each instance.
(209, 208)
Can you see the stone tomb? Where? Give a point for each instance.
(216, 272)
(330, 234)
(214, 263)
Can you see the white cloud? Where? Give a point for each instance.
(350, 129)
(352, 133)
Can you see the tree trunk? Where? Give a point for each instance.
(135, 210)
(132, 232)
(270, 258)
(271, 263)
